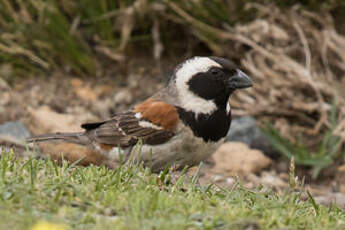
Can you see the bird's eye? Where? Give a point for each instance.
(215, 71)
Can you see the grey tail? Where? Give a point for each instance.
(77, 138)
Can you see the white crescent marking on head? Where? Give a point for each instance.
(189, 100)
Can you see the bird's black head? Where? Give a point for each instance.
(206, 82)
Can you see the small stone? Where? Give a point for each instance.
(244, 129)
(272, 179)
(335, 198)
(218, 178)
(76, 82)
(103, 90)
(340, 178)
(12, 136)
(123, 97)
(341, 168)
(86, 94)
(342, 188)
(47, 120)
(230, 181)
(83, 91)
(284, 176)
(236, 157)
(5, 98)
(14, 129)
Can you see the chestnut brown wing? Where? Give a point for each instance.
(153, 122)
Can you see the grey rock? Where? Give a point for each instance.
(244, 129)
(335, 198)
(15, 130)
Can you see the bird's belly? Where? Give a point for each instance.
(182, 150)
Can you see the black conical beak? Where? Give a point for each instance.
(240, 81)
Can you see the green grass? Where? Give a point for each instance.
(133, 198)
(328, 151)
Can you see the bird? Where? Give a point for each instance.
(180, 125)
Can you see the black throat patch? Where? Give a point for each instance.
(210, 127)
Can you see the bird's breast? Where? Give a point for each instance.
(210, 127)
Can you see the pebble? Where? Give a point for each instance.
(245, 129)
(14, 129)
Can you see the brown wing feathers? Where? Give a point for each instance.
(159, 113)
(125, 129)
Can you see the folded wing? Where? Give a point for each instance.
(153, 122)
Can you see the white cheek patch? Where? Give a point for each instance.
(138, 115)
(190, 101)
(146, 124)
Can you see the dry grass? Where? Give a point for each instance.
(297, 60)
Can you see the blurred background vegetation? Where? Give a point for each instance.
(44, 35)
(295, 51)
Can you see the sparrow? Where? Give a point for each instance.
(181, 125)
